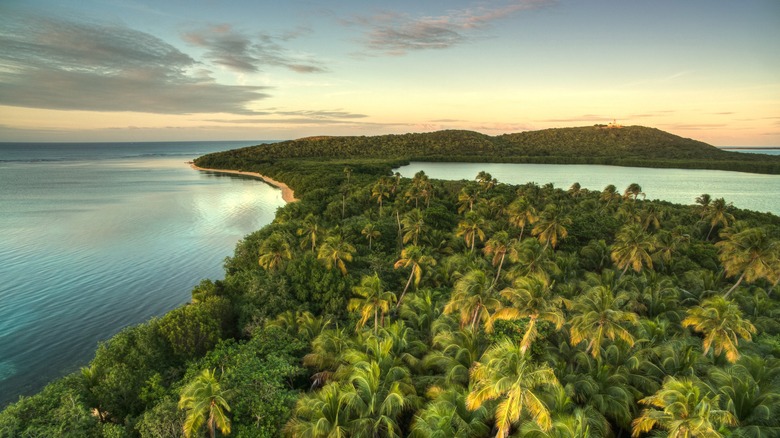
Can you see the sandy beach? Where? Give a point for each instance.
(288, 195)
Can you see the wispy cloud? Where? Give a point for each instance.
(295, 117)
(58, 64)
(395, 34)
(245, 53)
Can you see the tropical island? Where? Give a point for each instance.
(388, 306)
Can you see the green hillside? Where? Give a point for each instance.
(625, 146)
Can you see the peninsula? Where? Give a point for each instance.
(380, 305)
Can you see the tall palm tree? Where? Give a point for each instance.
(717, 213)
(532, 298)
(473, 297)
(575, 190)
(551, 226)
(471, 228)
(413, 226)
(600, 314)
(609, 194)
(376, 397)
(371, 300)
(311, 231)
(633, 191)
(498, 246)
(413, 257)
(651, 217)
(632, 248)
(683, 407)
(274, 251)
(454, 353)
(204, 400)
(721, 323)
(381, 191)
(751, 391)
(504, 373)
(335, 252)
(446, 416)
(466, 199)
(320, 414)
(522, 213)
(704, 201)
(370, 232)
(751, 253)
(531, 258)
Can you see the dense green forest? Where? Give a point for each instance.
(387, 306)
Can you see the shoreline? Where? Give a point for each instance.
(288, 195)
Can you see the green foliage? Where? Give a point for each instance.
(503, 291)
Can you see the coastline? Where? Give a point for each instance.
(288, 195)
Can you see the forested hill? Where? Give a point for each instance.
(628, 146)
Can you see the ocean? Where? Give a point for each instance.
(100, 236)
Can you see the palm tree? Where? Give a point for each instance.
(274, 251)
(751, 391)
(498, 246)
(310, 232)
(372, 299)
(721, 323)
(321, 414)
(609, 194)
(471, 228)
(632, 248)
(551, 226)
(473, 297)
(504, 373)
(531, 258)
(453, 354)
(599, 314)
(651, 217)
(752, 253)
(413, 257)
(466, 199)
(531, 297)
(633, 191)
(336, 251)
(203, 399)
(381, 191)
(704, 200)
(717, 214)
(413, 226)
(376, 395)
(446, 416)
(684, 408)
(522, 213)
(371, 233)
(486, 181)
(575, 190)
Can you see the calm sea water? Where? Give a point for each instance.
(96, 237)
(745, 190)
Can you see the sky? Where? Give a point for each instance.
(138, 70)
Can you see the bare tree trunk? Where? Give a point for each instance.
(408, 282)
(726, 295)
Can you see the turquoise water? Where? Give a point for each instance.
(745, 190)
(96, 237)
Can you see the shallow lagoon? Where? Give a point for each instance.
(745, 190)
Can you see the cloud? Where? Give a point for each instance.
(396, 34)
(582, 118)
(297, 117)
(240, 52)
(58, 64)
